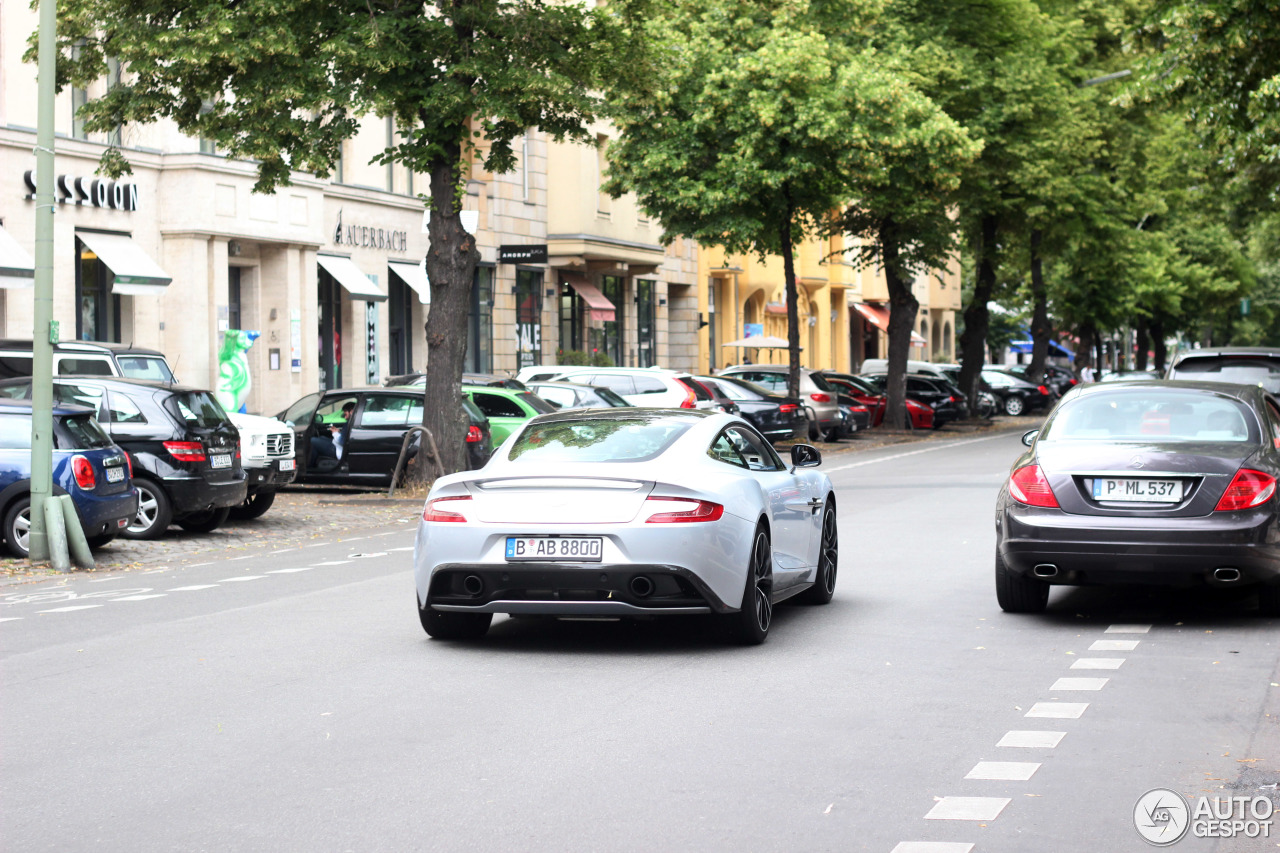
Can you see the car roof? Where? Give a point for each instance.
(629, 413)
(114, 381)
(493, 389)
(23, 407)
(1244, 393)
(561, 383)
(81, 346)
(1209, 352)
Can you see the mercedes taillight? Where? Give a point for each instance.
(1249, 489)
(1029, 486)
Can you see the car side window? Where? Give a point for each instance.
(21, 391)
(558, 397)
(496, 405)
(79, 395)
(723, 450)
(649, 385)
(385, 410)
(1274, 412)
(299, 414)
(614, 382)
(15, 432)
(83, 365)
(122, 410)
(756, 452)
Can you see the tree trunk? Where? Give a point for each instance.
(793, 309)
(451, 268)
(1041, 329)
(903, 306)
(973, 343)
(1143, 343)
(1099, 352)
(1158, 348)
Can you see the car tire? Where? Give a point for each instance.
(254, 506)
(96, 542)
(454, 626)
(814, 432)
(824, 584)
(1019, 593)
(1013, 406)
(17, 528)
(205, 522)
(1268, 599)
(155, 512)
(750, 625)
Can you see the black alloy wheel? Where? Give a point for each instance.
(205, 522)
(255, 505)
(154, 512)
(1019, 593)
(750, 625)
(1013, 405)
(824, 584)
(453, 626)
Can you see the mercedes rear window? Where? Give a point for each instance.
(196, 409)
(1139, 414)
(1236, 369)
(625, 439)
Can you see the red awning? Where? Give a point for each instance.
(775, 308)
(879, 317)
(601, 307)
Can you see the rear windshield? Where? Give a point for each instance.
(624, 439)
(536, 403)
(1237, 369)
(145, 367)
(741, 389)
(80, 432)
(196, 409)
(822, 383)
(1141, 415)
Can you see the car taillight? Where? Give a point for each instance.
(788, 408)
(434, 512)
(952, 399)
(82, 470)
(1074, 381)
(820, 398)
(128, 460)
(690, 399)
(1043, 390)
(1249, 489)
(1028, 485)
(679, 510)
(474, 434)
(185, 451)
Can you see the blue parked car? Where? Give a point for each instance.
(86, 465)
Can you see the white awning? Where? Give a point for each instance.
(414, 276)
(347, 274)
(17, 268)
(135, 273)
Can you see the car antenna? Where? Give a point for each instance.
(173, 374)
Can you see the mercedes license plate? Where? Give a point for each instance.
(220, 460)
(1136, 490)
(115, 475)
(286, 464)
(575, 549)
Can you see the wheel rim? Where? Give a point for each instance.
(761, 571)
(830, 551)
(22, 530)
(148, 511)
(1013, 406)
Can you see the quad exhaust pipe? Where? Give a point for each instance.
(1226, 575)
(641, 586)
(1045, 570)
(473, 585)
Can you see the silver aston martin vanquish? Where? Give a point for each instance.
(625, 513)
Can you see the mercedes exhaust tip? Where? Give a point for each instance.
(1226, 575)
(1045, 570)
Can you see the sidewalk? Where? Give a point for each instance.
(306, 514)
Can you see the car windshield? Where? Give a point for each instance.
(624, 439)
(81, 432)
(1236, 369)
(197, 409)
(145, 367)
(1142, 414)
(741, 389)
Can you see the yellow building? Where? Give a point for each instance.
(842, 311)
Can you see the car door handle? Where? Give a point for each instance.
(815, 504)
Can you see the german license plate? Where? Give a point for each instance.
(220, 460)
(115, 475)
(576, 549)
(286, 464)
(1136, 490)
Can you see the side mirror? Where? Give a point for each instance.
(1028, 438)
(805, 456)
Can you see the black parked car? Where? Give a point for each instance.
(1016, 396)
(184, 449)
(777, 416)
(1058, 379)
(353, 436)
(944, 398)
(576, 395)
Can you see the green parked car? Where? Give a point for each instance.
(506, 408)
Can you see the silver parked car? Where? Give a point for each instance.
(627, 512)
(821, 401)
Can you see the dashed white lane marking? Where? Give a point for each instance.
(194, 588)
(244, 578)
(334, 563)
(1079, 684)
(928, 449)
(410, 548)
(968, 808)
(281, 551)
(1003, 771)
(931, 847)
(157, 571)
(237, 559)
(1128, 629)
(316, 545)
(104, 580)
(1032, 740)
(1097, 663)
(355, 538)
(388, 533)
(139, 597)
(11, 619)
(1058, 710)
(1114, 645)
(69, 609)
(288, 571)
(198, 565)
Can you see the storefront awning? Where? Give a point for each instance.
(1056, 350)
(347, 274)
(135, 273)
(879, 317)
(17, 268)
(414, 276)
(601, 307)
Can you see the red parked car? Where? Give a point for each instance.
(860, 390)
(920, 415)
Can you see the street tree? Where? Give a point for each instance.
(284, 82)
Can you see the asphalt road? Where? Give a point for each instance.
(290, 702)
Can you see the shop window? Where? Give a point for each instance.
(400, 299)
(329, 296)
(480, 323)
(99, 316)
(572, 317)
(528, 317)
(608, 339)
(646, 323)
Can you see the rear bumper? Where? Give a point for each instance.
(105, 515)
(195, 494)
(1174, 551)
